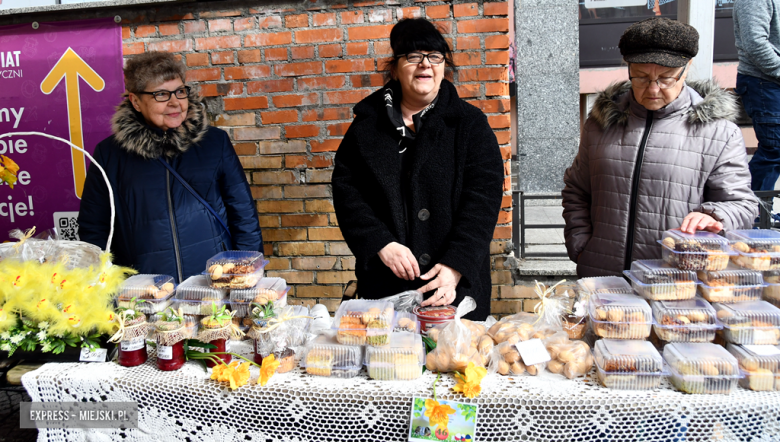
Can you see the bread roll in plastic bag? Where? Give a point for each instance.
(455, 347)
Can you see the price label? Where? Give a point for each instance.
(764, 350)
(533, 351)
(164, 352)
(133, 344)
(97, 355)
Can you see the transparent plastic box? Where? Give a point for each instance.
(750, 323)
(324, 356)
(235, 269)
(656, 280)
(692, 320)
(628, 365)
(701, 368)
(192, 324)
(734, 284)
(197, 307)
(618, 316)
(266, 290)
(698, 251)
(603, 284)
(401, 360)
(757, 249)
(155, 291)
(771, 291)
(759, 364)
(198, 288)
(361, 322)
(406, 322)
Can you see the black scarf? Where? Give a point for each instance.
(396, 117)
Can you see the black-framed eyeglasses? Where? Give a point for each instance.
(418, 57)
(162, 96)
(662, 82)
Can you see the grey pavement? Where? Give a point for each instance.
(544, 240)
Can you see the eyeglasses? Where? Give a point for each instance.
(662, 82)
(181, 93)
(417, 57)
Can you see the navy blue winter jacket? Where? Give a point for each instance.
(160, 227)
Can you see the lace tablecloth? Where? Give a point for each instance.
(186, 405)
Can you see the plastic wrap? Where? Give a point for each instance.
(454, 348)
(405, 301)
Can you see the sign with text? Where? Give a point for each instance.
(63, 79)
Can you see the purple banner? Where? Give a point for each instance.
(63, 79)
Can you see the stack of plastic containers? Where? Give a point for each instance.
(628, 365)
(701, 368)
(760, 250)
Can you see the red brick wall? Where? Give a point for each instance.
(282, 82)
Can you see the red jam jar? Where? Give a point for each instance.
(433, 315)
(170, 358)
(221, 348)
(132, 353)
(258, 352)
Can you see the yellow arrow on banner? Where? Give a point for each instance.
(70, 66)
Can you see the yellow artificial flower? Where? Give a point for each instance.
(239, 376)
(222, 372)
(438, 414)
(267, 369)
(469, 383)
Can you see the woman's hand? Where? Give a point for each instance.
(400, 260)
(700, 221)
(445, 282)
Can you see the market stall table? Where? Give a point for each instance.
(187, 405)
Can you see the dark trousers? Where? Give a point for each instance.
(762, 103)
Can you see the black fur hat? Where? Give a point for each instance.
(659, 40)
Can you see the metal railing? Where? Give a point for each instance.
(765, 208)
(519, 225)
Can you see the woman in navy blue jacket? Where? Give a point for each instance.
(160, 226)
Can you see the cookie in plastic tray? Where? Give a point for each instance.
(758, 249)
(734, 284)
(656, 280)
(401, 360)
(197, 307)
(324, 356)
(628, 365)
(151, 287)
(235, 269)
(760, 364)
(266, 290)
(406, 322)
(771, 291)
(198, 288)
(750, 323)
(618, 316)
(697, 251)
(701, 368)
(361, 322)
(691, 320)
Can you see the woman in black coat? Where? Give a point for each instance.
(417, 183)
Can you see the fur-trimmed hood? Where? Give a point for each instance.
(708, 103)
(133, 134)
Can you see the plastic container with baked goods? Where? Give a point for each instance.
(197, 288)
(196, 306)
(406, 322)
(692, 320)
(701, 368)
(602, 284)
(155, 291)
(749, 323)
(758, 249)
(432, 316)
(324, 356)
(628, 365)
(760, 364)
(619, 316)
(361, 322)
(734, 284)
(697, 251)
(266, 290)
(401, 360)
(656, 280)
(235, 269)
(771, 292)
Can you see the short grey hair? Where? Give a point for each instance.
(152, 68)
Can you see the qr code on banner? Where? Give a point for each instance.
(67, 225)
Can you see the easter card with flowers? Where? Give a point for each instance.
(441, 420)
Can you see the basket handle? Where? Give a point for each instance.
(105, 177)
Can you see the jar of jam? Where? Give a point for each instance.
(170, 357)
(222, 347)
(132, 353)
(433, 315)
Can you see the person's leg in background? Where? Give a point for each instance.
(761, 99)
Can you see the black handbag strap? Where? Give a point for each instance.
(195, 194)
